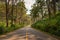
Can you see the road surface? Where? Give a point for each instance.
(26, 33)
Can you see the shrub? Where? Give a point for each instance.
(4, 29)
(51, 26)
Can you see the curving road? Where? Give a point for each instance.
(26, 33)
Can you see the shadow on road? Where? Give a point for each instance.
(32, 34)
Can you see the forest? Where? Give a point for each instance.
(12, 15)
(44, 16)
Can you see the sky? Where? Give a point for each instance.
(28, 4)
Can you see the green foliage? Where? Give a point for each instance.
(51, 26)
(4, 29)
(34, 11)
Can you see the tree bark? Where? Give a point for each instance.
(12, 12)
(7, 10)
(49, 11)
(54, 6)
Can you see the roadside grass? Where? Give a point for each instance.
(4, 29)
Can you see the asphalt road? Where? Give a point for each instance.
(26, 33)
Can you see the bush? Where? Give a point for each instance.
(4, 29)
(51, 26)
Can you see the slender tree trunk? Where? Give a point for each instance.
(49, 12)
(16, 13)
(7, 9)
(54, 6)
(42, 12)
(12, 12)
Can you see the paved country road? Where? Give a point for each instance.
(26, 33)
